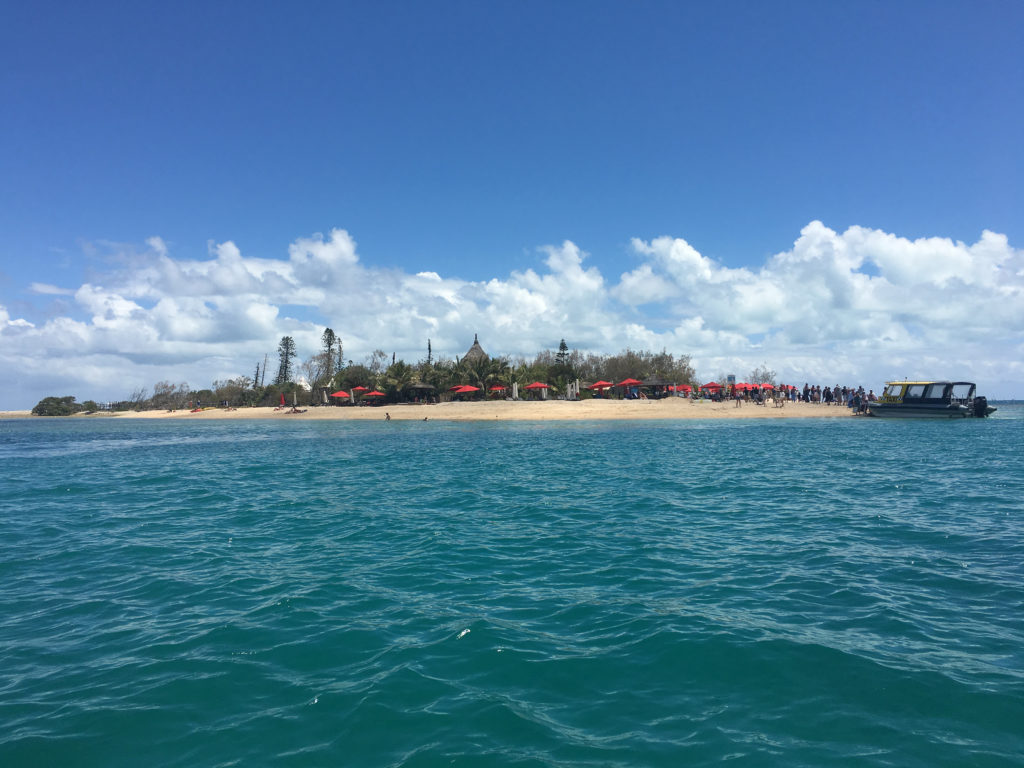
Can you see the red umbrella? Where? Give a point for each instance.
(359, 389)
(629, 383)
(375, 393)
(498, 388)
(537, 385)
(601, 385)
(712, 385)
(465, 389)
(282, 398)
(767, 386)
(339, 393)
(681, 388)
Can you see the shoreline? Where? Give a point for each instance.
(544, 410)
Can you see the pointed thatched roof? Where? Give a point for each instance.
(476, 352)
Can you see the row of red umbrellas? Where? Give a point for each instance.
(633, 383)
(363, 391)
(458, 389)
(623, 383)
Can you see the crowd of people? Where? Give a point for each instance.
(837, 395)
(852, 397)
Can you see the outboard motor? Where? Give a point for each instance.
(980, 406)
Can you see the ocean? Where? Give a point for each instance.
(768, 593)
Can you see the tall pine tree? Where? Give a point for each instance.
(329, 339)
(562, 358)
(286, 350)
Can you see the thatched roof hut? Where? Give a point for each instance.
(475, 352)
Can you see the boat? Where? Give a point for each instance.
(930, 400)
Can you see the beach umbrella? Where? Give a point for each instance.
(282, 399)
(498, 388)
(601, 385)
(682, 388)
(465, 389)
(629, 383)
(340, 393)
(712, 385)
(537, 385)
(360, 389)
(767, 386)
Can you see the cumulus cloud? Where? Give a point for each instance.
(853, 307)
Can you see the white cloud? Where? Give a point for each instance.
(855, 307)
(6, 323)
(45, 289)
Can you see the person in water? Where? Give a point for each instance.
(387, 417)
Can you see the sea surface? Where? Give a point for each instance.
(686, 593)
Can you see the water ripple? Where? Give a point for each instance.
(794, 593)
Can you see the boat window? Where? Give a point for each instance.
(893, 390)
(915, 390)
(962, 391)
(935, 390)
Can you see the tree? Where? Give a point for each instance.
(236, 391)
(561, 372)
(352, 376)
(442, 374)
(204, 397)
(645, 365)
(138, 397)
(169, 396)
(56, 406)
(376, 364)
(397, 377)
(484, 372)
(762, 375)
(286, 351)
(329, 339)
(476, 371)
(562, 358)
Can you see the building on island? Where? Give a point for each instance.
(475, 352)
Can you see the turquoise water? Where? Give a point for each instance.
(792, 593)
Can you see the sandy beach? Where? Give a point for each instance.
(550, 410)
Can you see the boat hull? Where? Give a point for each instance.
(921, 411)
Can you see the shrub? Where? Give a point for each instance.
(57, 406)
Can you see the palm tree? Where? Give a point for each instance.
(500, 373)
(475, 371)
(397, 377)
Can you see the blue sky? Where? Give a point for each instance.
(475, 140)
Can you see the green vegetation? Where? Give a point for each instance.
(311, 381)
(286, 351)
(57, 406)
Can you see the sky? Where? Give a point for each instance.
(833, 190)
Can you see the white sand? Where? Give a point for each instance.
(553, 410)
